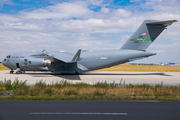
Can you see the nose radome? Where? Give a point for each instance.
(2, 61)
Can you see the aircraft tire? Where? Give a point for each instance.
(18, 72)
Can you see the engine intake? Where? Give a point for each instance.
(46, 62)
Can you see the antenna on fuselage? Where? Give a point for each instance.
(43, 50)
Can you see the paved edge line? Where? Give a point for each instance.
(56, 113)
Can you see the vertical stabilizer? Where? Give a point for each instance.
(148, 31)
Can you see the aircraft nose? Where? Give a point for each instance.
(2, 61)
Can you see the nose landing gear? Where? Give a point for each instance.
(17, 71)
(11, 72)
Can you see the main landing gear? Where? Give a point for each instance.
(18, 71)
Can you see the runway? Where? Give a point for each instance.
(89, 110)
(168, 78)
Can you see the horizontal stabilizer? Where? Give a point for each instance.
(162, 22)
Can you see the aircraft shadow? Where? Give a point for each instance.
(77, 77)
(69, 77)
(162, 74)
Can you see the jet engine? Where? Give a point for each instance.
(38, 62)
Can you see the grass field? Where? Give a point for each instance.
(64, 90)
(128, 67)
(145, 68)
(2, 67)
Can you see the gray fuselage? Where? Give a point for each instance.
(89, 60)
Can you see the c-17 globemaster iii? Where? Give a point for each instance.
(67, 63)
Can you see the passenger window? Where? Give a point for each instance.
(4, 59)
(29, 62)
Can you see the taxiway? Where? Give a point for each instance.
(89, 110)
(168, 78)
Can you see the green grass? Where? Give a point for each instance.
(65, 90)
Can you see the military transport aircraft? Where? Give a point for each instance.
(60, 62)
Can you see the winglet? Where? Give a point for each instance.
(77, 56)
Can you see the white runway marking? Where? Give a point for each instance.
(56, 113)
(146, 101)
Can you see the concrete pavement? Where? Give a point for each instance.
(168, 78)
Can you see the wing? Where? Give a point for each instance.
(66, 57)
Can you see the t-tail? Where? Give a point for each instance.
(148, 31)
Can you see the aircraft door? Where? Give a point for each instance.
(17, 65)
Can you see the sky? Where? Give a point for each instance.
(69, 25)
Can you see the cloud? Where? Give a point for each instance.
(96, 2)
(63, 10)
(159, 51)
(9, 2)
(164, 5)
(105, 10)
(73, 24)
(8, 18)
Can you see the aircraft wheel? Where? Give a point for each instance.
(76, 73)
(18, 72)
(11, 72)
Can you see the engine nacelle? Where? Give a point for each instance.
(38, 62)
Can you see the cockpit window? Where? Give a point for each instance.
(8, 56)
